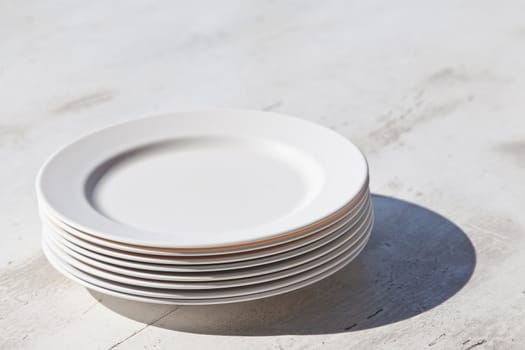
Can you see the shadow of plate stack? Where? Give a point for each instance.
(415, 260)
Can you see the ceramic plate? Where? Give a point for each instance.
(243, 277)
(151, 181)
(114, 264)
(108, 289)
(243, 272)
(242, 252)
(214, 259)
(204, 297)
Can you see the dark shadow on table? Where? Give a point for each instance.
(415, 260)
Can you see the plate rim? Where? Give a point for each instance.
(351, 242)
(244, 297)
(182, 268)
(363, 200)
(173, 301)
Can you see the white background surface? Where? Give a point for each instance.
(431, 91)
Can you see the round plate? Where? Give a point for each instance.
(152, 257)
(241, 251)
(115, 264)
(299, 263)
(188, 274)
(204, 297)
(244, 250)
(243, 277)
(104, 287)
(253, 175)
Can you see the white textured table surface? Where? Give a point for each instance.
(432, 92)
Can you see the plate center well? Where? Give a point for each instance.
(204, 184)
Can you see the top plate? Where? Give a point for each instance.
(202, 180)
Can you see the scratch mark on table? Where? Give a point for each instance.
(481, 342)
(95, 303)
(435, 341)
(375, 313)
(273, 106)
(120, 342)
(85, 101)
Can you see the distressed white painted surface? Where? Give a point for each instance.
(432, 92)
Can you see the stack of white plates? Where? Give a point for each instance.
(204, 207)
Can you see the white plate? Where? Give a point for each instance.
(214, 259)
(109, 289)
(204, 297)
(204, 276)
(234, 278)
(119, 265)
(206, 260)
(242, 251)
(253, 176)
